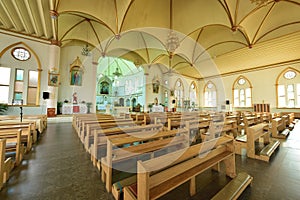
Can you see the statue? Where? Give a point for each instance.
(75, 98)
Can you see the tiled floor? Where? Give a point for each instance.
(59, 168)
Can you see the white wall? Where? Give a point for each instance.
(86, 92)
(263, 82)
(41, 49)
(153, 72)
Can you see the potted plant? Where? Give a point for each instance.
(59, 107)
(88, 105)
(150, 105)
(3, 108)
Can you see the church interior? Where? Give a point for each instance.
(160, 99)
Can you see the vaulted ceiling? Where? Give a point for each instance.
(236, 35)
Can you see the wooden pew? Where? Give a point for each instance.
(6, 165)
(262, 150)
(14, 144)
(154, 117)
(265, 118)
(234, 188)
(37, 124)
(217, 129)
(87, 126)
(77, 117)
(234, 118)
(151, 143)
(28, 131)
(178, 122)
(77, 120)
(81, 121)
(196, 128)
(100, 137)
(158, 176)
(41, 121)
(249, 121)
(103, 126)
(279, 128)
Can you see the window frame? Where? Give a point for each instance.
(213, 89)
(32, 65)
(282, 80)
(195, 89)
(242, 87)
(23, 48)
(8, 85)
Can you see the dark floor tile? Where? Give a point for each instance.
(58, 168)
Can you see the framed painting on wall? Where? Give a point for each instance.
(76, 76)
(53, 79)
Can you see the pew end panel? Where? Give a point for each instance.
(6, 165)
(260, 133)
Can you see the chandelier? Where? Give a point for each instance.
(117, 73)
(172, 42)
(85, 50)
(260, 2)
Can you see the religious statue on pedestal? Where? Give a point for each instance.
(75, 98)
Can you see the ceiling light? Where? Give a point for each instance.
(172, 42)
(85, 50)
(117, 73)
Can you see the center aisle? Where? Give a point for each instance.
(57, 168)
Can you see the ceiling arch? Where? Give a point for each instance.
(225, 29)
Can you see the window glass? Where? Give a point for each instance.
(33, 78)
(242, 93)
(288, 90)
(19, 74)
(290, 75)
(20, 53)
(4, 75)
(4, 92)
(18, 96)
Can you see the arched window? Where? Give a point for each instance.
(178, 92)
(20, 84)
(193, 94)
(210, 94)
(166, 98)
(242, 92)
(288, 88)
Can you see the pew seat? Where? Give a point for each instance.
(235, 187)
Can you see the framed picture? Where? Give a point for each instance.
(155, 85)
(76, 76)
(53, 79)
(171, 93)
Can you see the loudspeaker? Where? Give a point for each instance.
(227, 102)
(46, 95)
(173, 101)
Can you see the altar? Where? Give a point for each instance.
(69, 108)
(158, 108)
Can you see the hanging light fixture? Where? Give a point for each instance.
(85, 50)
(117, 73)
(172, 42)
